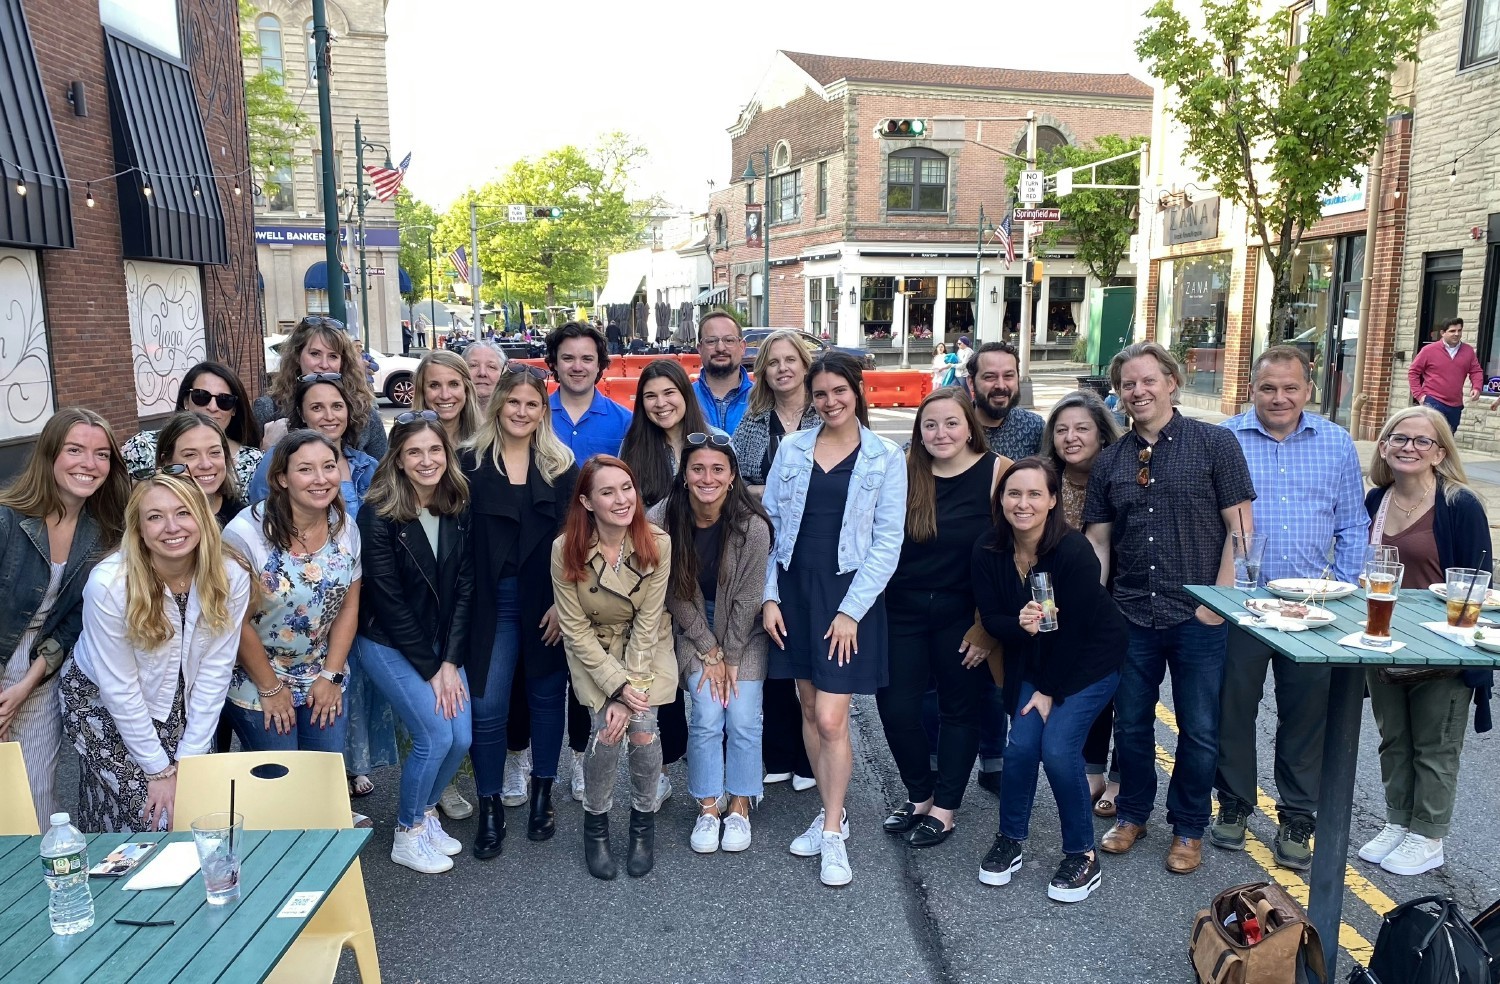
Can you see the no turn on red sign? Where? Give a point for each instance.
(1036, 215)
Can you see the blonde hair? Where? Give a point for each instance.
(468, 417)
(147, 625)
(34, 491)
(391, 494)
(553, 457)
(761, 396)
(1450, 469)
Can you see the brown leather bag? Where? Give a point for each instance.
(1287, 952)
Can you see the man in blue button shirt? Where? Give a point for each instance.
(1310, 504)
(586, 420)
(723, 386)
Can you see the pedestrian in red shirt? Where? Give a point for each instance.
(1437, 373)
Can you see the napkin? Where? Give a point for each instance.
(1353, 642)
(1464, 637)
(173, 866)
(1268, 621)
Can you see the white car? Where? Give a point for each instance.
(396, 378)
(273, 352)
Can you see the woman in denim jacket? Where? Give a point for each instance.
(836, 496)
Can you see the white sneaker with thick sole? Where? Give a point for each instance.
(1375, 851)
(454, 805)
(736, 833)
(663, 791)
(1417, 854)
(835, 867)
(513, 791)
(810, 843)
(705, 839)
(802, 783)
(774, 777)
(439, 838)
(413, 850)
(577, 784)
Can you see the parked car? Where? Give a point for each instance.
(396, 378)
(273, 345)
(815, 347)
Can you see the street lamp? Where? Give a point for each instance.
(360, 143)
(765, 230)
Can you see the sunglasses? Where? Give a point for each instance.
(534, 372)
(412, 416)
(699, 439)
(175, 470)
(224, 401)
(321, 377)
(318, 321)
(1143, 479)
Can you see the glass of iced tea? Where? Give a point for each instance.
(1466, 590)
(1382, 585)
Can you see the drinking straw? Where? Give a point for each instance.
(231, 816)
(1474, 581)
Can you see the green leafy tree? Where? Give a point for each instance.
(273, 119)
(412, 215)
(1273, 122)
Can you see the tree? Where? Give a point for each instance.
(1275, 120)
(411, 215)
(273, 119)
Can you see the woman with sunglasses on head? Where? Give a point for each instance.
(610, 571)
(486, 362)
(443, 385)
(418, 585)
(321, 345)
(324, 403)
(58, 517)
(193, 445)
(520, 477)
(216, 392)
(161, 624)
(836, 496)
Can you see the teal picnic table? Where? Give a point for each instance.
(238, 942)
(1346, 693)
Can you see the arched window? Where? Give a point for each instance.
(312, 53)
(782, 156)
(721, 232)
(916, 181)
(268, 36)
(1048, 139)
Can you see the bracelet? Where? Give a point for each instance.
(280, 686)
(166, 773)
(704, 657)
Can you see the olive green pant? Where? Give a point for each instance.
(1421, 736)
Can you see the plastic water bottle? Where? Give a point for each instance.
(65, 863)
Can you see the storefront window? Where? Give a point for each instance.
(1192, 321)
(1064, 306)
(1312, 292)
(875, 305)
(958, 314)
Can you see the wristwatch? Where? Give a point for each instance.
(332, 677)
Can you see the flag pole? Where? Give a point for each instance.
(359, 190)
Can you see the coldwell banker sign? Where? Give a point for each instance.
(304, 236)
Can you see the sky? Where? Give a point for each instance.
(477, 84)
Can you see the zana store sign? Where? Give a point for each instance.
(1192, 223)
(305, 236)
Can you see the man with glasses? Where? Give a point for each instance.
(1161, 503)
(1310, 499)
(586, 420)
(723, 386)
(1438, 373)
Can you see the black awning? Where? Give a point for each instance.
(158, 131)
(42, 216)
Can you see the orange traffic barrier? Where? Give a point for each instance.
(888, 389)
(621, 389)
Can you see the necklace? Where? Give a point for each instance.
(1423, 498)
(789, 425)
(301, 538)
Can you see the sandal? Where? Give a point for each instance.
(1105, 807)
(360, 786)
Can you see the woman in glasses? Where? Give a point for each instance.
(486, 362)
(57, 518)
(216, 392)
(520, 476)
(193, 445)
(324, 402)
(444, 386)
(321, 345)
(162, 621)
(1422, 505)
(720, 539)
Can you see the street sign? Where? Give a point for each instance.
(1032, 186)
(1036, 215)
(1065, 182)
(516, 213)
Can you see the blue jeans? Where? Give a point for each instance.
(1194, 653)
(250, 726)
(544, 695)
(724, 743)
(1451, 414)
(438, 745)
(1057, 744)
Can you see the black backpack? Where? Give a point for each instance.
(1428, 941)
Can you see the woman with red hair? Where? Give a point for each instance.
(610, 570)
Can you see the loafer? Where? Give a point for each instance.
(1185, 855)
(1122, 836)
(929, 832)
(902, 819)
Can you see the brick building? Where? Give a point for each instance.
(848, 211)
(128, 258)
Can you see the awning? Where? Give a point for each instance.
(43, 216)
(316, 277)
(713, 295)
(404, 285)
(627, 272)
(158, 132)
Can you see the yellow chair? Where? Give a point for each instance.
(17, 812)
(290, 791)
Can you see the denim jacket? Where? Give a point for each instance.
(26, 569)
(874, 514)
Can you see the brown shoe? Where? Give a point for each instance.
(1185, 855)
(1122, 837)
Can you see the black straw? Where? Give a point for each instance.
(1474, 582)
(231, 816)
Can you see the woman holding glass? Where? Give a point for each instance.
(1422, 505)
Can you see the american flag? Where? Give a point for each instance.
(387, 180)
(460, 263)
(1003, 231)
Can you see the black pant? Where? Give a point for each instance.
(518, 725)
(782, 748)
(926, 629)
(671, 720)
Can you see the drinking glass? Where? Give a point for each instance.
(1249, 549)
(218, 837)
(1382, 585)
(1042, 594)
(1377, 553)
(1466, 591)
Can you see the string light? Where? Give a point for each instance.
(237, 191)
(1453, 174)
(21, 187)
(146, 190)
(146, 179)
(88, 195)
(197, 192)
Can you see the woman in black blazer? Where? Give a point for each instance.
(520, 480)
(418, 584)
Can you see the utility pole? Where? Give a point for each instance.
(765, 230)
(978, 270)
(1023, 350)
(359, 181)
(336, 308)
(431, 294)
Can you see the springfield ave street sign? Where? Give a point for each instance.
(1036, 215)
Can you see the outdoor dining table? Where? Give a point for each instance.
(238, 942)
(1346, 692)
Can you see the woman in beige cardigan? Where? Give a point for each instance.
(610, 570)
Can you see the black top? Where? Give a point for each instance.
(1091, 635)
(509, 525)
(707, 543)
(1168, 532)
(962, 503)
(823, 515)
(413, 600)
(776, 432)
(229, 507)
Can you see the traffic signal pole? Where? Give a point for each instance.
(1023, 340)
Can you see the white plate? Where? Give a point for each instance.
(1491, 596)
(1490, 643)
(1302, 588)
(1314, 618)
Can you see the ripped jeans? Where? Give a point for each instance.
(601, 763)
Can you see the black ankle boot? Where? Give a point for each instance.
(642, 836)
(489, 839)
(596, 845)
(542, 823)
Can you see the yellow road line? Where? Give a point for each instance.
(1350, 939)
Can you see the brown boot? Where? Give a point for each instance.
(1185, 855)
(1122, 837)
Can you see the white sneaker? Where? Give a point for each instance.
(774, 777)
(705, 839)
(663, 791)
(736, 832)
(1385, 842)
(802, 783)
(439, 838)
(835, 869)
(454, 805)
(513, 790)
(810, 843)
(413, 850)
(1415, 855)
(577, 777)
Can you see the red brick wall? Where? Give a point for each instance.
(1390, 249)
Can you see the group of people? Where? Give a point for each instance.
(714, 576)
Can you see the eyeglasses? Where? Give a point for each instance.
(412, 416)
(176, 470)
(720, 342)
(700, 439)
(534, 372)
(224, 401)
(1143, 478)
(1402, 440)
(321, 377)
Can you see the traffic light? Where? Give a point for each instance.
(546, 212)
(902, 129)
(1034, 271)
